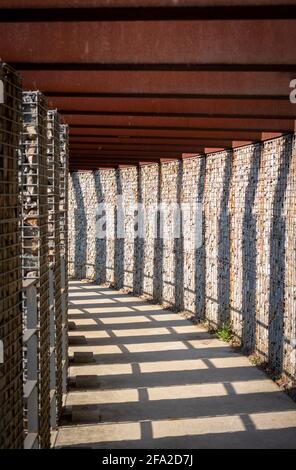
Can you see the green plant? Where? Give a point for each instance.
(224, 333)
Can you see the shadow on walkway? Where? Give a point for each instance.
(144, 377)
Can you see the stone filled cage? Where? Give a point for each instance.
(64, 160)
(33, 180)
(11, 380)
(54, 259)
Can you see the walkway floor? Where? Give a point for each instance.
(143, 377)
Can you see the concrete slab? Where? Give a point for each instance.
(148, 378)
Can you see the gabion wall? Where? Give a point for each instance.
(192, 286)
(32, 216)
(217, 235)
(242, 243)
(148, 253)
(11, 379)
(242, 273)
(33, 181)
(64, 160)
(54, 261)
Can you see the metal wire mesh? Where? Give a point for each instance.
(11, 381)
(34, 224)
(53, 161)
(64, 158)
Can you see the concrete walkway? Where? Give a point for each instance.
(143, 377)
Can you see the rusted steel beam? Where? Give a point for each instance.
(176, 123)
(138, 149)
(124, 153)
(204, 42)
(84, 165)
(150, 67)
(155, 147)
(179, 135)
(135, 150)
(93, 160)
(224, 83)
(85, 159)
(152, 12)
(99, 141)
(180, 107)
(116, 155)
(133, 135)
(138, 3)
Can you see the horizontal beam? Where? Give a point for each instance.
(102, 141)
(172, 106)
(113, 160)
(84, 159)
(177, 135)
(150, 67)
(137, 3)
(204, 42)
(126, 13)
(157, 147)
(155, 84)
(116, 150)
(136, 149)
(177, 123)
(124, 153)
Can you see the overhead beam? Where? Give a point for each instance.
(155, 83)
(178, 135)
(127, 12)
(154, 147)
(199, 107)
(137, 3)
(112, 149)
(150, 67)
(125, 153)
(86, 159)
(177, 123)
(204, 42)
(135, 149)
(173, 142)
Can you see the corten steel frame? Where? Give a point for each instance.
(157, 98)
(11, 379)
(201, 76)
(33, 178)
(53, 161)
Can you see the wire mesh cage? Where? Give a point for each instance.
(11, 380)
(53, 162)
(64, 160)
(33, 181)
